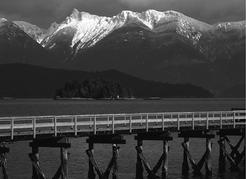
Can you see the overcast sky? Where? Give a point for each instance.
(44, 12)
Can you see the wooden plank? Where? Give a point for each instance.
(196, 134)
(154, 136)
(106, 139)
(231, 132)
(55, 142)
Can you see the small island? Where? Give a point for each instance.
(97, 88)
(108, 89)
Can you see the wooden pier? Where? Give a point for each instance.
(55, 131)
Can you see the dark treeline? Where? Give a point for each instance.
(94, 88)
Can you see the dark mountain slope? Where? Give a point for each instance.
(19, 80)
(18, 47)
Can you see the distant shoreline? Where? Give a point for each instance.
(120, 99)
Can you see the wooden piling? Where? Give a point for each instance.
(208, 161)
(115, 150)
(165, 160)
(64, 163)
(35, 153)
(139, 165)
(222, 156)
(185, 164)
(91, 172)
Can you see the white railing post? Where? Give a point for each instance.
(108, 121)
(178, 124)
(55, 126)
(75, 125)
(207, 122)
(12, 128)
(130, 124)
(34, 127)
(163, 125)
(95, 125)
(193, 121)
(220, 120)
(90, 122)
(141, 119)
(234, 120)
(125, 120)
(113, 123)
(147, 124)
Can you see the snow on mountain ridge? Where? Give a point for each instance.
(33, 31)
(84, 30)
(89, 29)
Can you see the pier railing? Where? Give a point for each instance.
(11, 127)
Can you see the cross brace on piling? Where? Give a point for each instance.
(234, 157)
(142, 162)
(57, 142)
(206, 158)
(113, 165)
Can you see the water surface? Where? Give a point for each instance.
(19, 165)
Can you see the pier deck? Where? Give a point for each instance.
(31, 127)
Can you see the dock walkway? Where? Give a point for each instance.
(31, 127)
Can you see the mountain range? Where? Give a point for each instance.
(162, 46)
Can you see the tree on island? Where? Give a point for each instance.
(94, 88)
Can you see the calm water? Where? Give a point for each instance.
(19, 165)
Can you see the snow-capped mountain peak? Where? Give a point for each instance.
(81, 30)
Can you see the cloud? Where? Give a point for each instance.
(44, 12)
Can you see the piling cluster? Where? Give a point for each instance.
(235, 157)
